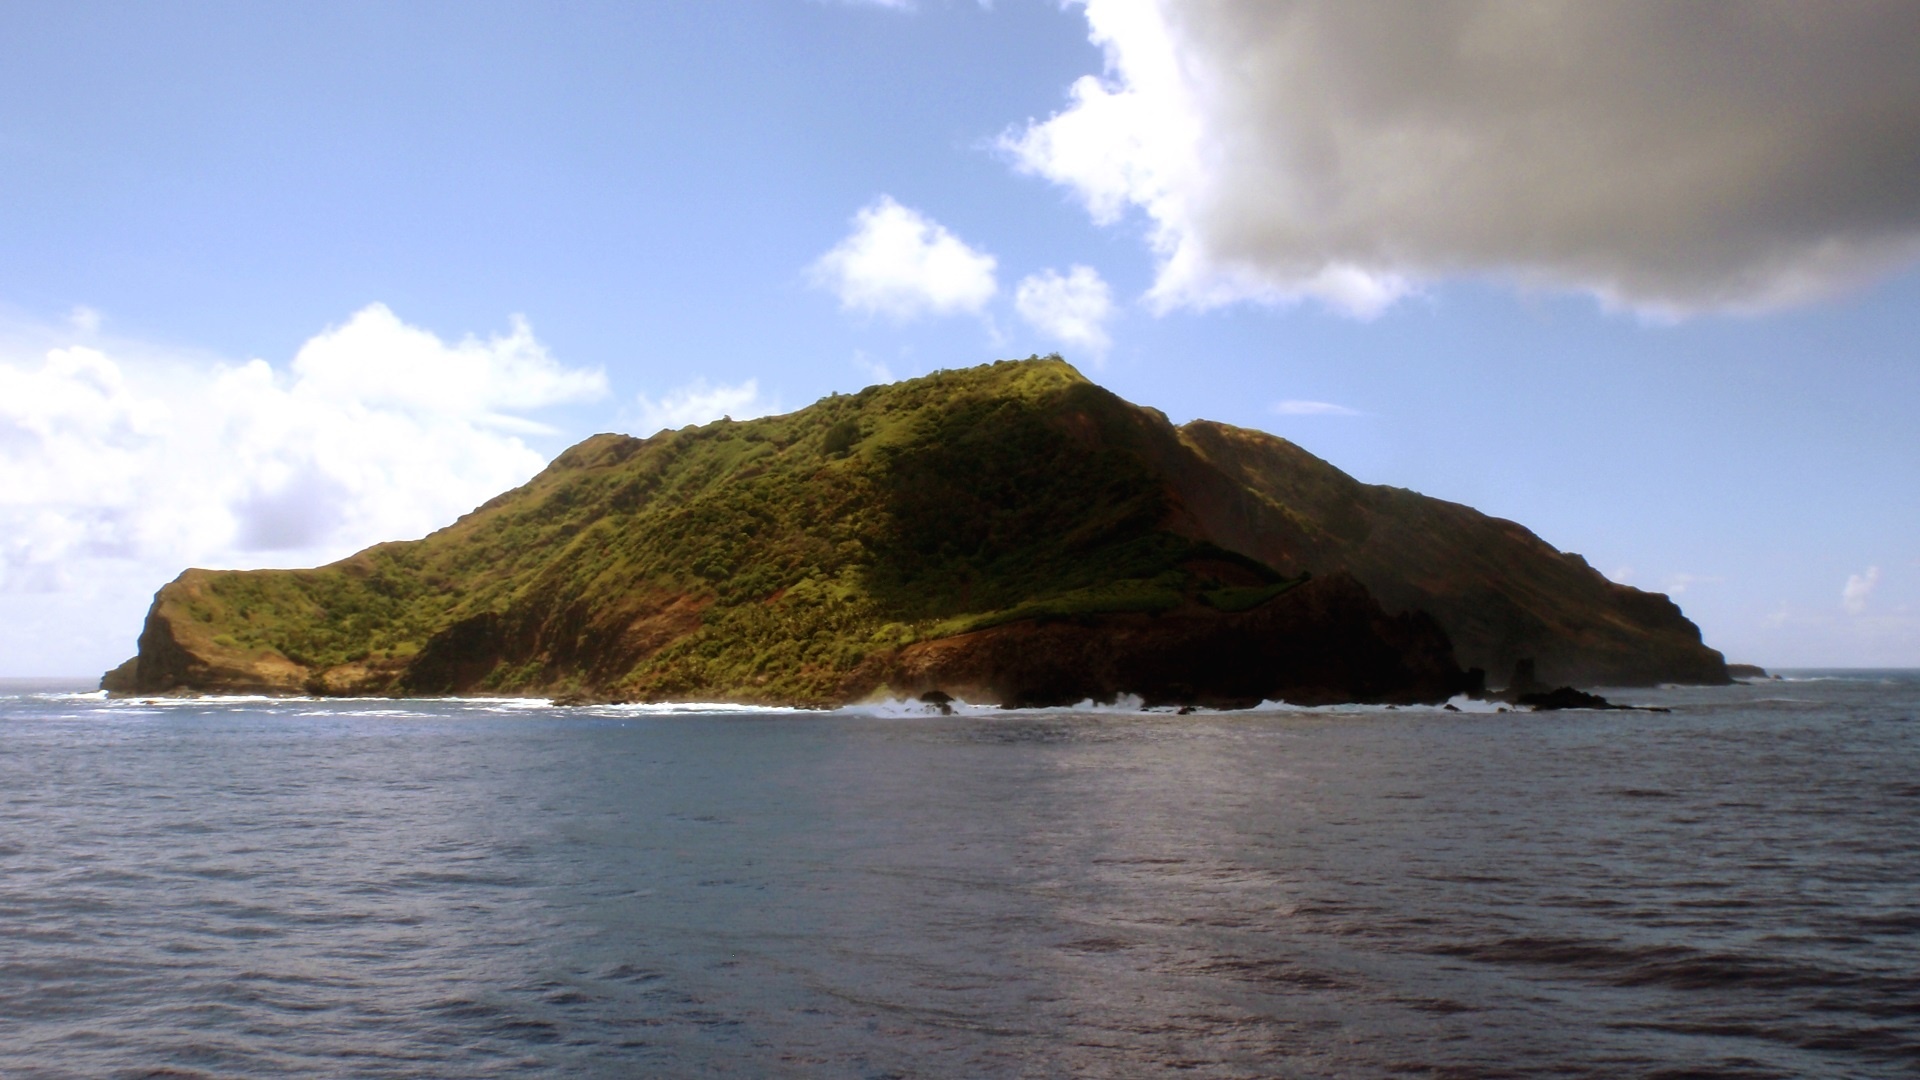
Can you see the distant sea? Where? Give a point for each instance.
(254, 888)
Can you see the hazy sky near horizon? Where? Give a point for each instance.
(280, 281)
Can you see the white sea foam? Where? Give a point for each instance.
(1125, 705)
(365, 712)
(1131, 705)
(199, 701)
(689, 708)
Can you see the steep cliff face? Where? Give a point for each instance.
(1501, 592)
(1323, 642)
(181, 650)
(1011, 532)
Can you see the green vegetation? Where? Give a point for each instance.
(765, 559)
(1246, 597)
(1152, 596)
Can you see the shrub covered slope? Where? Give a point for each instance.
(811, 558)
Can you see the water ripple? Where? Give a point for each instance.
(243, 887)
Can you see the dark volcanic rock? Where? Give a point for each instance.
(1525, 688)
(1327, 641)
(1565, 697)
(1525, 678)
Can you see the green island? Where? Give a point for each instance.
(1010, 533)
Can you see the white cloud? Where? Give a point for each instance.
(376, 360)
(1853, 595)
(1312, 408)
(1071, 309)
(1821, 637)
(699, 402)
(898, 263)
(120, 465)
(1677, 584)
(879, 372)
(1667, 156)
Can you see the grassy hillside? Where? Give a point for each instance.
(766, 559)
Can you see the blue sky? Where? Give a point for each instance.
(575, 218)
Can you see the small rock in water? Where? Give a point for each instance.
(1565, 697)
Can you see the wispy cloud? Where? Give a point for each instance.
(1680, 583)
(902, 264)
(1294, 407)
(1072, 309)
(875, 370)
(699, 402)
(1853, 595)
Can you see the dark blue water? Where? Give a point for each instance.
(454, 889)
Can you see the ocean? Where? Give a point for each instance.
(467, 888)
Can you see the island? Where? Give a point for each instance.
(1008, 534)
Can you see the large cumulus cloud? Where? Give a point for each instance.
(1664, 155)
(121, 465)
(902, 264)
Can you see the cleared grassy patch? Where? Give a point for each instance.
(1246, 597)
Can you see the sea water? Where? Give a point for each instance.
(494, 888)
